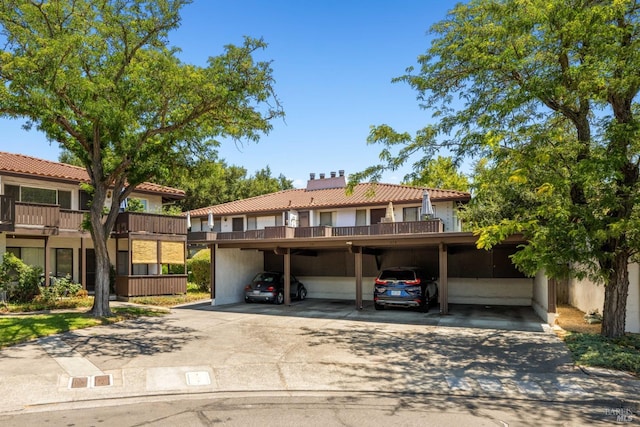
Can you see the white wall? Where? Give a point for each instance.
(329, 287)
(587, 295)
(490, 291)
(234, 269)
(540, 301)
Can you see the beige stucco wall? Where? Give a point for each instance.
(334, 287)
(490, 291)
(234, 269)
(587, 295)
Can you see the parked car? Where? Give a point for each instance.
(404, 287)
(268, 286)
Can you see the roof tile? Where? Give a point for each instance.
(363, 195)
(27, 166)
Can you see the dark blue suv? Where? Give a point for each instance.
(404, 287)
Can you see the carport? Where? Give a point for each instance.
(455, 252)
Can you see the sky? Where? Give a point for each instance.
(333, 62)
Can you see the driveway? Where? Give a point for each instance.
(312, 346)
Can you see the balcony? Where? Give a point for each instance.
(134, 222)
(284, 232)
(52, 219)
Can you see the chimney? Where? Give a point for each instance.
(333, 174)
(341, 172)
(312, 176)
(321, 176)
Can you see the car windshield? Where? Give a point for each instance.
(397, 275)
(266, 277)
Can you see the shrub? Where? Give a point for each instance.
(61, 287)
(19, 280)
(199, 267)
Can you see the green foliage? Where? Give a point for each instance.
(199, 267)
(60, 287)
(622, 354)
(440, 172)
(19, 280)
(546, 91)
(134, 205)
(101, 80)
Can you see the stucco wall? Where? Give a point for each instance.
(334, 287)
(490, 291)
(234, 269)
(540, 301)
(587, 296)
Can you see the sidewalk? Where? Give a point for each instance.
(204, 349)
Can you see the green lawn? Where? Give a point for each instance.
(26, 327)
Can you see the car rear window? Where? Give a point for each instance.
(265, 277)
(397, 275)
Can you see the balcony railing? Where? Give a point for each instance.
(7, 213)
(284, 232)
(34, 215)
(150, 223)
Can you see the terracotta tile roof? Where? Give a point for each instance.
(26, 166)
(331, 198)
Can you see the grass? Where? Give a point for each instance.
(20, 328)
(30, 324)
(589, 348)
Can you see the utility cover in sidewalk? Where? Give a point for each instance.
(198, 378)
(101, 380)
(79, 382)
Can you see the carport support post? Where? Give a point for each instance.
(287, 276)
(358, 270)
(212, 272)
(443, 281)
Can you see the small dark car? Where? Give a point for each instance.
(268, 286)
(404, 287)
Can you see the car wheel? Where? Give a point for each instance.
(279, 298)
(302, 294)
(378, 306)
(424, 307)
(247, 300)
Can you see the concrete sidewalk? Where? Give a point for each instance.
(324, 348)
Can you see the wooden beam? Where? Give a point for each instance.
(212, 272)
(287, 276)
(443, 281)
(358, 271)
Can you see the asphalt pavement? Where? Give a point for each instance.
(313, 346)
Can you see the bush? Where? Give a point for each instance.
(199, 267)
(19, 280)
(61, 287)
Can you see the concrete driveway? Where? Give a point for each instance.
(311, 346)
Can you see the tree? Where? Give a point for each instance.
(547, 91)
(99, 78)
(440, 172)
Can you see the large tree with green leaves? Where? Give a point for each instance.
(547, 91)
(100, 78)
(440, 172)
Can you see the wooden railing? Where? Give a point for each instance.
(284, 232)
(37, 214)
(150, 223)
(71, 220)
(7, 213)
(167, 284)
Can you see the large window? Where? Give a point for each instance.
(47, 196)
(30, 256)
(361, 217)
(63, 262)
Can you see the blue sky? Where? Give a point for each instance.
(333, 62)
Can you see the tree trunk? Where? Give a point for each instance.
(615, 298)
(100, 235)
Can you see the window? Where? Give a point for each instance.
(30, 256)
(410, 214)
(39, 195)
(85, 200)
(252, 223)
(237, 224)
(63, 262)
(278, 220)
(326, 218)
(217, 224)
(361, 217)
